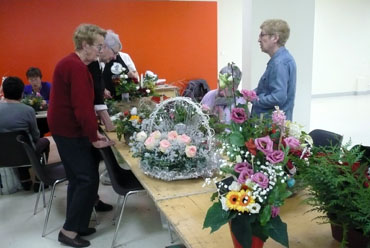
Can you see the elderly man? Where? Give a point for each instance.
(277, 85)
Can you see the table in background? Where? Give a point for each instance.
(42, 123)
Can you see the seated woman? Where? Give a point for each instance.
(34, 76)
(220, 101)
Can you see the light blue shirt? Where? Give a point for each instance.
(277, 85)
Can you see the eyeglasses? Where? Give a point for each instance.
(261, 35)
(99, 47)
(114, 52)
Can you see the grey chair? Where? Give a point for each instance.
(51, 174)
(322, 137)
(123, 182)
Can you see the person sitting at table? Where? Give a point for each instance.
(20, 116)
(125, 60)
(109, 52)
(34, 76)
(220, 102)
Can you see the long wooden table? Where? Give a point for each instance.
(185, 204)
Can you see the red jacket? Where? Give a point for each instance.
(71, 107)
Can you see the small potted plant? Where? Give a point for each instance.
(338, 187)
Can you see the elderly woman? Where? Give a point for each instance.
(73, 124)
(220, 101)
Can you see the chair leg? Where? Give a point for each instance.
(117, 209)
(95, 217)
(120, 216)
(49, 207)
(43, 193)
(37, 200)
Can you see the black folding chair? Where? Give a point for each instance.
(325, 138)
(123, 182)
(50, 174)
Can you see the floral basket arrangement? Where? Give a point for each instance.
(337, 180)
(131, 87)
(175, 142)
(261, 158)
(36, 101)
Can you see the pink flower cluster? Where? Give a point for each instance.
(249, 95)
(155, 139)
(278, 117)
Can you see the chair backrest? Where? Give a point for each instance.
(34, 159)
(366, 155)
(122, 180)
(12, 153)
(325, 138)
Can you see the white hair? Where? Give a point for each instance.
(112, 40)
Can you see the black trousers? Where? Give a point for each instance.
(81, 161)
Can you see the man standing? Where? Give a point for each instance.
(277, 85)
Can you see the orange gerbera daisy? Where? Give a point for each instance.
(232, 200)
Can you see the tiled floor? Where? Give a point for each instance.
(141, 225)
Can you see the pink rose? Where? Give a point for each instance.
(156, 134)
(172, 135)
(190, 151)
(184, 139)
(164, 145)
(150, 143)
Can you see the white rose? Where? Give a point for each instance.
(133, 111)
(141, 136)
(223, 203)
(235, 186)
(116, 68)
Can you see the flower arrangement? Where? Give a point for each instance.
(262, 157)
(36, 101)
(128, 123)
(124, 84)
(175, 142)
(337, 180)
(169, 151)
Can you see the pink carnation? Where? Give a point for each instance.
(190, 151)
(249, 95)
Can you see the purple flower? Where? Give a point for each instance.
(275, 157)
(274, 211)
(264, 144)
(239, 167)
(249, 95)
(261, 179)
(278, 117)
(244, 175)
(292, 142)
(238, 115)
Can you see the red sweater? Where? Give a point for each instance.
(71, 107)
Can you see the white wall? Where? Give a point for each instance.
(300, 17)
(341, 46)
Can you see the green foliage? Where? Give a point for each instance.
(336, 182)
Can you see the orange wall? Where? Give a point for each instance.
(176, 40)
